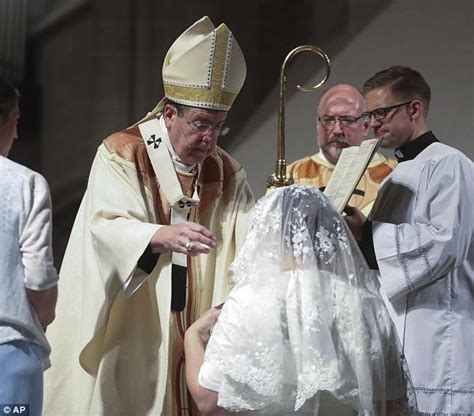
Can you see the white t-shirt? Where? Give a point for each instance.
(26, 260)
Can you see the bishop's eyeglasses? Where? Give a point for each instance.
(206, 129)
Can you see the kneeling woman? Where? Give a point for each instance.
(304, 329)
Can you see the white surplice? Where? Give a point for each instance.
(423, 238)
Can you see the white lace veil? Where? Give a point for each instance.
(304, 329)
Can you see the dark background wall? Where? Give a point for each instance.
(94, 66)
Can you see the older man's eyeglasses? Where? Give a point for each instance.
(380, 113)
(344, 121)
(206, 129)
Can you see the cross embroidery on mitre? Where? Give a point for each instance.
(154, 141)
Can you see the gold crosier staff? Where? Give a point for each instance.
(279, 177)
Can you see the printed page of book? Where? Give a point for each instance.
(349, 169)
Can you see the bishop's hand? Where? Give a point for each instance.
(187, 238)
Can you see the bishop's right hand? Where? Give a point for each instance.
(187, 238)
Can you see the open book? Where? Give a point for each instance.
(349, 169)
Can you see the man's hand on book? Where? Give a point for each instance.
(355, 220)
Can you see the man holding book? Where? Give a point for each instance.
(420, 236)
(340, 125)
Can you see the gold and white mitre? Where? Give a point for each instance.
(204, 67)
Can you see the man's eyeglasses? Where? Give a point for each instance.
(344, 121)
(380, 113)
(206, 129)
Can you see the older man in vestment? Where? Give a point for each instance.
(340, 125)
(163, 215)
(420, 236)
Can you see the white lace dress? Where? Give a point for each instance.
(304, 329)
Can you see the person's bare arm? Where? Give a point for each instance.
(44, 303)
(195, 341)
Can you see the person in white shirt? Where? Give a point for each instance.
(28, 279)
(304, 329)
(419, 235)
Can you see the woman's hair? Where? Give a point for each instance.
(9, 96)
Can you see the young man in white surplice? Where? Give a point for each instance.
(419, 235)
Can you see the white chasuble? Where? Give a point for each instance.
(111, 340)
